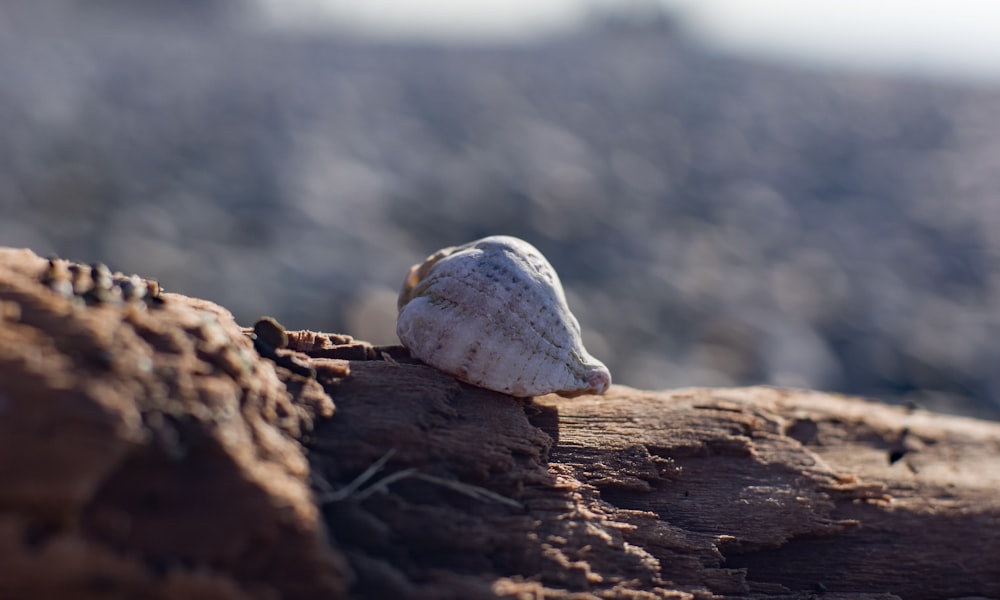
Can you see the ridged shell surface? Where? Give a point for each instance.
(493, 313)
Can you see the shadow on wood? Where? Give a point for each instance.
(148, 449)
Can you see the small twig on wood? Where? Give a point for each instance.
(382, 485)
(357, 482)
(472, 491)
(353, 489)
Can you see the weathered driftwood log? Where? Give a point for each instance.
(148, 450)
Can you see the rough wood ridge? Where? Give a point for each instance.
(151, 451)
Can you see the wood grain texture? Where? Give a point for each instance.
(757, 493)
(151, 452)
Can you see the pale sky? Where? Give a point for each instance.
(939, 38)
(483, 20)
(952, 38)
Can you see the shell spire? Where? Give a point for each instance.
(493, 313)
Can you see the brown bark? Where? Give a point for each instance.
(149, 450)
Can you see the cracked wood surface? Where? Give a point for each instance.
(753, 492)
(152, 452)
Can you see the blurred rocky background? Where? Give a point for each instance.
(718, 218)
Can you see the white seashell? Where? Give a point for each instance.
(493, 313)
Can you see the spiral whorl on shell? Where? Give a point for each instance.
(493, 313)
